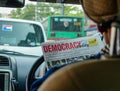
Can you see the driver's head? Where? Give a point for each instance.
(103, 12)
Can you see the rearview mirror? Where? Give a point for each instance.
(12, 3)
(59, 1)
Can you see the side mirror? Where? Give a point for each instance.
(12, 3)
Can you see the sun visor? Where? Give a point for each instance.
(101, 10)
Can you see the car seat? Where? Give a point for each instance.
(30, 37)
(94, 75)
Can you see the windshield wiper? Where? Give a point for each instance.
(3, 51)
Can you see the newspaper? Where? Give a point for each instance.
(65, 51)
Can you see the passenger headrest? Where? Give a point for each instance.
(101, 11)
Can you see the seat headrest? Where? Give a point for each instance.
(92, 75)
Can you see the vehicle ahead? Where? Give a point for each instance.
(64, 27)
(20, 47)
(21, 36)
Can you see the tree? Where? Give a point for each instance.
(29, 12)
(46, 9)
(16, 13)
(25, 13)
(73, 11)
(40, 11)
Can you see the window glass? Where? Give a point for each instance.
(20, 34)
(66, 24)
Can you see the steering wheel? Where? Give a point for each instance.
(31, 76)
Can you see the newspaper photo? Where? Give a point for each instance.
(70, 50)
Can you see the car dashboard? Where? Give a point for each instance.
(14, 70)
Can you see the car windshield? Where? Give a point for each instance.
(20, 34)
(20, 31)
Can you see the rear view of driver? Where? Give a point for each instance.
(93, 75)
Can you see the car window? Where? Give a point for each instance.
(20, 34)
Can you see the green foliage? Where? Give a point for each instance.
(40, 11)
(73, 11)
(27, 13)
(16, 13)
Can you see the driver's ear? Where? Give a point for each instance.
(107, 35)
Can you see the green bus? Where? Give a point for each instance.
(64, 27)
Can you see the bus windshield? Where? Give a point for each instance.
(66, 24)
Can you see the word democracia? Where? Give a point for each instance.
(63, 46)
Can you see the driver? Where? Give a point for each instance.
(103, 12)
(66, 23)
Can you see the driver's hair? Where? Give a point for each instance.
(101, 10)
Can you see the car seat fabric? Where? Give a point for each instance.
(92, 75)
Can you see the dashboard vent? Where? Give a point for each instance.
(4, 61)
